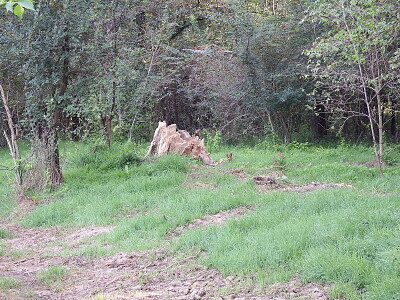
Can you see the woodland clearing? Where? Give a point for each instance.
(170, 228)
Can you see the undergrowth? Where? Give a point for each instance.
(348, 237)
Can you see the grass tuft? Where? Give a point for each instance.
(5, 234)
(7, 283)
(51, 275)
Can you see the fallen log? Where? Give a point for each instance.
(167, 139)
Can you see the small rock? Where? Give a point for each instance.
(137, 287)
(184, 291)
(202, 293)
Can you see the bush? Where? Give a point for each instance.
(212, 140)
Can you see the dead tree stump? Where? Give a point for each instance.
(167, 139)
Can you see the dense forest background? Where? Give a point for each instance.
(288, 70)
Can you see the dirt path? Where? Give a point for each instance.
(140, 275)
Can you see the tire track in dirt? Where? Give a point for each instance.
(152, 274)
(219, 219)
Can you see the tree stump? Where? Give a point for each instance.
(167, 139)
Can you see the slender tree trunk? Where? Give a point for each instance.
(393, 123)
(108, 128)
(271, 125)
(380, 129)
(13, 147)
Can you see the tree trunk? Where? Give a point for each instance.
(168, 140)
(51, 142)
(380, 129)
(13, 146)
(108, 127)
(271, 124)
(51, 137)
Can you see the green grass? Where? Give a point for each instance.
(6, 179)
(51, 275)
(348, 236)
(5, 234)
(2, 248)
(7, 283)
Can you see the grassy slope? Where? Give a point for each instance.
(348, 236)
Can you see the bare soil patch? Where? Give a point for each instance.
(270, 182)
(295, 289)
(155, 275)
(369, 164)
(240, 174)
(202, 185)
(215, 219)
(316, 186)
(87, 232)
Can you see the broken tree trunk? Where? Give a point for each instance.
(168, 140)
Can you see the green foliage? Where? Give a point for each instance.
(269, 141)
(352, 62)
(17, 7)
(390, 156)
(298, 146)
(212, 140)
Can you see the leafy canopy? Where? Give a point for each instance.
(17, 7)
